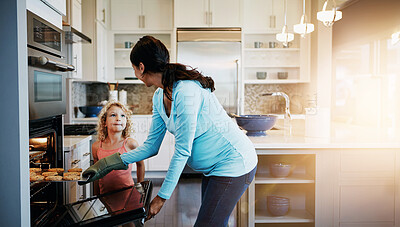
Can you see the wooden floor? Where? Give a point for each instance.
(182, 208)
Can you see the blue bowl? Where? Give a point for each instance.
(256, 125)
(90, 111)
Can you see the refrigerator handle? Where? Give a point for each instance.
(237, 88)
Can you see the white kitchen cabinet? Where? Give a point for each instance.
(134, 15)
(94, 56)
(269, 15)
(207, 13)
(77, 156)
(367, 187)
(74, 18)
(49, 10)
(161, 161)
(102, 12)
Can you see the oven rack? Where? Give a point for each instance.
(36, 155)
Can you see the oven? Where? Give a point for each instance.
(45, 151)
(46, 68)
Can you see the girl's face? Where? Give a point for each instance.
(116, 119)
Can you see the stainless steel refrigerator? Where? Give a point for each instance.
(215, 53)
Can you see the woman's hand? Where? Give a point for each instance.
(155, 206)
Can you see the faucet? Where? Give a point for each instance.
(284, 95)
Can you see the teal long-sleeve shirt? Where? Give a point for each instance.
(205, 137)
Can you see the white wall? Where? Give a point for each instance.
(14, 116)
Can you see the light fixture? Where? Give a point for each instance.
(395, 38)
(285, 37)
(328, 17)
(303, 28)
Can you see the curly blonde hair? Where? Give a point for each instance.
(102, 132)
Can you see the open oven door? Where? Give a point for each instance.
(109, 209)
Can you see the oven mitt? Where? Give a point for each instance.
(102, 168)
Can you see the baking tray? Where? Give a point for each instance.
(82, 180)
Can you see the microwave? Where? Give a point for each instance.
(47, 68)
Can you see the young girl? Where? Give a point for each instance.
(114, 127)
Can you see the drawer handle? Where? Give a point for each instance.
(102, 208)
(86, 154)
(75, 162)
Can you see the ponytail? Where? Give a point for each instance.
(175, 72)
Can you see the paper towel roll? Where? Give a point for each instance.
(122, 97)
(113, 96)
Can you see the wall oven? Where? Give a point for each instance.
(46, 68)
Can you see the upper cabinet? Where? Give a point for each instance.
(269, 15)
(207, 13)
(139, 15)
(101, 12)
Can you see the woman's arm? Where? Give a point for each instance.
(140, 168)
(95, 148)
(153, 142)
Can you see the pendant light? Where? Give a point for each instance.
(285, 37)
(303, 28)
(328, 17)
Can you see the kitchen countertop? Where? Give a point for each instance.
(341, 136)
(71, 142)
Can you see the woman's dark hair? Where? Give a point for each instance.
(155, 58)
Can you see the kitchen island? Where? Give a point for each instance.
(347, 179)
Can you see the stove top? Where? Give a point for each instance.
(80, 129)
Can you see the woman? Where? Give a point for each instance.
(205, 137)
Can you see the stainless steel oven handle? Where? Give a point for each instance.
(44, 61)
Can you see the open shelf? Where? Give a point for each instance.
(265, 178)
(271, 81)
(271, 49)
(293, 216)
(272, 66)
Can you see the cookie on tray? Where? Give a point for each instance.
(36, 178)
(58, 170)
(46, 174)
(72, 173)
(35, 170)
(75, 170)
(54, 178)
(71, 177)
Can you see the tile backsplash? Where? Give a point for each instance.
(254, 103)
(139, 97)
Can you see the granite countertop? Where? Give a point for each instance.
(71, 142)
(339, 136)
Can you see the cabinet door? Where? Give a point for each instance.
(77, 60)
(191, 13)
(225, 13)
(257, 14)
(270, 14)
(76, 15)
(101, 35)
(125, 14)
(157, 15)
(294, 12)
(101, 12)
